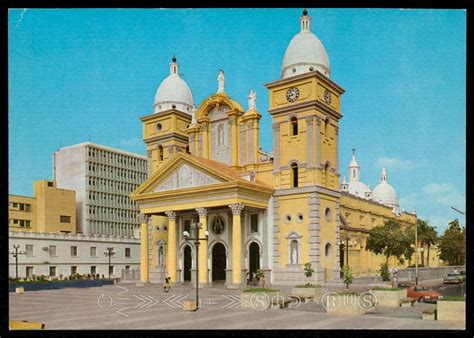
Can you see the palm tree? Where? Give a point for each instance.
(431, 238)
(427, 236)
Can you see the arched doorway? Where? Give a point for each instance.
(187, 263)
(218, 262)
(254, 259)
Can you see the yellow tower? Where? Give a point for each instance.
(164, 129)
(305, 109)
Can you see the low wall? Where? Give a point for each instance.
(428, 273)
(59, 284)
(389, 297)
(451, 310)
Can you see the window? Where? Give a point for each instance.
(65, 219)
(73, 270)
(28, 207)
(127, 252)
(294, 175)
(127, 267)
(52, 251)
(22, 223)
(22, 207)
(111, 270)
(29, 250)
(93, 269)
(160, 153)
(27, 224)
(93, 251)
(254, 223)
(52, 271)
(294, 126)
(51, 184)
(15, 205)
(29, 272)
(73, 251)
(187, 226)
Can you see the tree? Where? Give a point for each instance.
(427, 236)
(452, 244)
(308, 271)
(389, 240)
(347, 275)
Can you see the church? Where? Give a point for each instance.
(272, 212)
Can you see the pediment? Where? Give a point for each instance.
(186, 176)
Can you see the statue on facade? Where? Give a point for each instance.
(252, 98)
(294, 257)
(160, 256)
(220, 81)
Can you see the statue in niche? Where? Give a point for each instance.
(252, 98)
(193, 114)
(294, 252)
(220, 81)
(160, 256)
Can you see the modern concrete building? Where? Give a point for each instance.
(56, 255)
(103, 178)
(50, 210)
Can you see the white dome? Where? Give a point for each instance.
(173, 92)
(305, 53)
(358, 188)
(384, 192)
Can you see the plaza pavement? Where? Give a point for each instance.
(128, 307)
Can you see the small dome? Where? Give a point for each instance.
(357, 188)
(305, 53)
(384, 192)
(173, 93)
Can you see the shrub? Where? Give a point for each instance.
(308, 270)
(308, 285)
(384, 273)
(260, 290)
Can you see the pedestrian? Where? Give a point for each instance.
(167, 285)
(248, 278)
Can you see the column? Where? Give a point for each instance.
(144, 218)
(203, 248)
(171, 255)
(236, 243)
(205, 139)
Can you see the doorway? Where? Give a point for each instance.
(218, 263)
(254, 259)
(187, 264)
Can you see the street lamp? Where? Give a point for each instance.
(416, 249)
(462, 213)
(344, 245)
(109, 253)
(196, 240)
(15, 254)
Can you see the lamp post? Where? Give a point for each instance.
(416, 249)
(197, 241)
(462, 213)
(345, 244)
(109, 253)
(15, 254)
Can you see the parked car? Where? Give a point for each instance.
(423, 294)
(453, 278)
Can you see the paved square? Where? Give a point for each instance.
(126, 306)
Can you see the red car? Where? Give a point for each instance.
(423, 294)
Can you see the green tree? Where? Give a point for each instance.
(389, 240)
(427, 236)
(308, 271)
(384, 273)
(452, 244)
(347, 275)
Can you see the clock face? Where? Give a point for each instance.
(292, 94)
(218, 225)
(327, 96)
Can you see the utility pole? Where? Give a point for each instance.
(15, 254)
(109, 253)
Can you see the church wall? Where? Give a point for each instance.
(328, 211)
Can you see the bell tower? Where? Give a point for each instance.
(164, 131)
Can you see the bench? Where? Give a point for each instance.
(429, 314)
(407, 302)
(24, 325)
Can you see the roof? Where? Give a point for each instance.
(115, 150)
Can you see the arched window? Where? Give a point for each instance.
(294, 126)
(326, 123)
(294, 175)
(160, 153)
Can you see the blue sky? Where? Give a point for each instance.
(75, 74)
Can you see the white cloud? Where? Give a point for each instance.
(396, 163)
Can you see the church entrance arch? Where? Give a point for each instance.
(187, 263)
(254, 259)
(219, 264)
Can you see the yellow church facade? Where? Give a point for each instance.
(258, 211)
